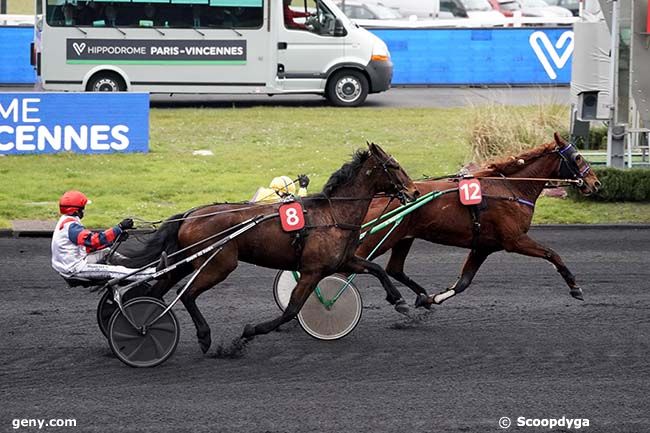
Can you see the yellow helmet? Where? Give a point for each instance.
(283, 185)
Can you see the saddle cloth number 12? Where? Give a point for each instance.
(291, 217)
(470, 192)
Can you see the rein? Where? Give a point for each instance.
(254, 206)
(535, 179)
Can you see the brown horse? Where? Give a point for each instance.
(502, 224)
(326, 246)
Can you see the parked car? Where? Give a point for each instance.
(358, 10)
(572, 5)
(481, 10)
(453, 7)
(505, 7)
(540, 8)
(427, 9)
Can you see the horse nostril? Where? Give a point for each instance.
(416, 194)
(597, 185)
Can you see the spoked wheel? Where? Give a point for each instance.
(149, 347)
(337, 320)
(107, 305)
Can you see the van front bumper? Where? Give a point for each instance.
(381, 74)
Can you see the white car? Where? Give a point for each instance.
(482, 11)
(357, 10)
(539, 8)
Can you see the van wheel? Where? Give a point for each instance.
(106, 82)
(347, 88)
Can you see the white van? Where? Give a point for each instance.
(208, 46)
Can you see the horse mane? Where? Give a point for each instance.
(509, 165)
(347, 172)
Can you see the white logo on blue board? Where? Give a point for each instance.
(539, 39)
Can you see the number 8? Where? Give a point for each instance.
(292, 216)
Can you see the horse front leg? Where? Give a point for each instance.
(357, 265)
(395, 268)
(305, 286)
(529, 247)
(471, 266)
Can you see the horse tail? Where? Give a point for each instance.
(148, 248)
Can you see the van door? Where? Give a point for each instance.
(307, 45)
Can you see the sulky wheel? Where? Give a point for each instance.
(283, 285)
(107, 305)
(149, 347)
(336, 321)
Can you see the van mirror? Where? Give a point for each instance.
(339, 28)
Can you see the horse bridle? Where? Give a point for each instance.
(397, 184)
(569, 164)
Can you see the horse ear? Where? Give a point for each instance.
(372, 147)
(559, 140)
(377, 150)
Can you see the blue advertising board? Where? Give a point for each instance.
(14, 55)
(505, 56)
(73, 122)
(449, 56)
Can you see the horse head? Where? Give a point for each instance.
(574, 166)
(559, 160)
(395, 180)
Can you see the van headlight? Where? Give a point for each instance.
(380, 52)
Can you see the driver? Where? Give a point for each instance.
(290, 14)
(281, 187)
(79, 252)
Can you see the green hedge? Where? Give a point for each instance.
(619, 185)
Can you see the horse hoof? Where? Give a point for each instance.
(205, 341)
(422, 300)
(249, 332)
(402, 308)
(205, 344)
(577, 293)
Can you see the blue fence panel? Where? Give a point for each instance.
(73, 122)
(14, 55)
(421, 56)
(480, 56)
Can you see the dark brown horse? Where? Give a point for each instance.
(326, 246)
(504, 222)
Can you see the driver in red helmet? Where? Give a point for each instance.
(79, 252)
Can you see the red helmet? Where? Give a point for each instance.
(71, 202)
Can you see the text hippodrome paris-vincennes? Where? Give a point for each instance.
(167, 51)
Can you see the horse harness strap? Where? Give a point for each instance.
(512, 198)
(475, 212)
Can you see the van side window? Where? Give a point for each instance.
(217, 14)
(309, 15)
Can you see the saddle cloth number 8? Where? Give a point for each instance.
(292, 217)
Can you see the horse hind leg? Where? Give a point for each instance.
(305, 286)
(215, 272)
(471, 266)
(529, 247)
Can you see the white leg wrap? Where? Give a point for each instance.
(439, 298)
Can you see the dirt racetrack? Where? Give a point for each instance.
(514, 344)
